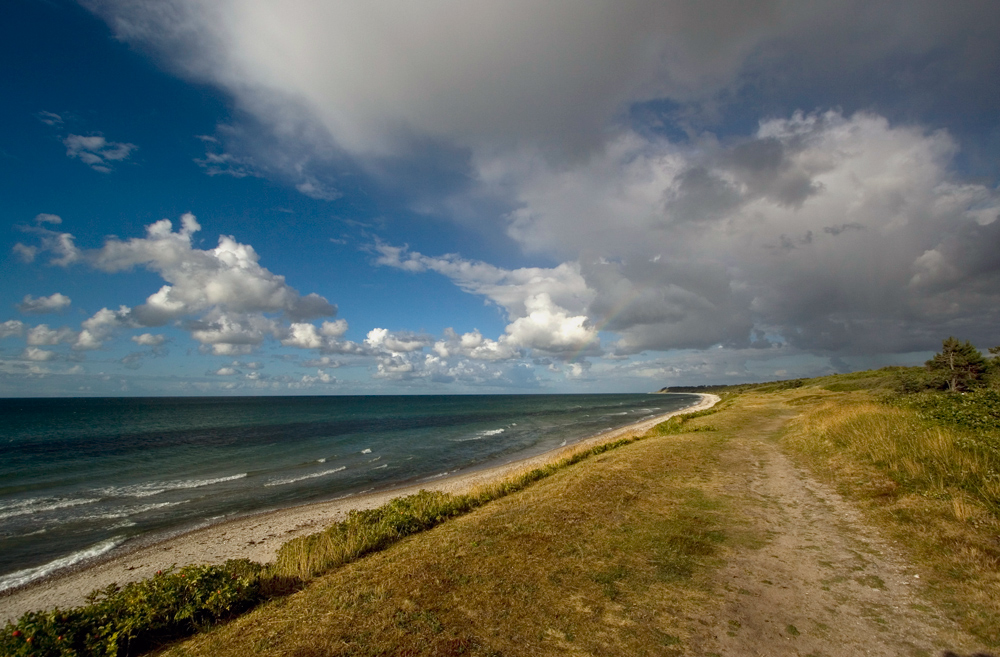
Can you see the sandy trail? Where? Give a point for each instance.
(259, 537)
(824, 583)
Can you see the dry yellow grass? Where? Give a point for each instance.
(927, 485)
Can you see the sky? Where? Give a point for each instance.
(203, 197)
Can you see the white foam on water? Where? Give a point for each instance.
(133, 510)
(439, 475)
(366, 451)
(292, 480)
(40, 505)
(156, 487)
(321, 460)
(486, 433)
(379, 467)
(21, 577)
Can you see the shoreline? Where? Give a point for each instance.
(259, 536)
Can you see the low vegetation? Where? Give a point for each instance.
(132, 619)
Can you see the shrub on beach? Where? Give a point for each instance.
(131, 619)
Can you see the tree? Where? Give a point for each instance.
(959, 365)
(993, 369)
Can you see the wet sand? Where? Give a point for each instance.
(258, 537)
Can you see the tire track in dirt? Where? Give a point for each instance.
(823, 583)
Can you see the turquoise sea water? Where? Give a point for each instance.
(82, 477)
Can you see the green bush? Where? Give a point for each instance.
(132, 619)
(978, 410)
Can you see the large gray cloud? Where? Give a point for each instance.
(833, 231)
(378, 76)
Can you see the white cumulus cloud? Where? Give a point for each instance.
(226, 288)
(149, 340)
(42, 305)
(42, 335)
(11, 328)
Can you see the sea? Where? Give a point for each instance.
(83, 478)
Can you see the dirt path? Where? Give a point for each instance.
(823, 583)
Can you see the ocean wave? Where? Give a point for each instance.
(20, 577)
(486, 433)
(292, 480)
(366, 451)
(379, 467)
(156, 487)
(127, 511)
(439, 475)
(40, 505)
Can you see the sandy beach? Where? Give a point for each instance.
(258, 537)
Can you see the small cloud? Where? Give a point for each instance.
(226, 164)
(96, 152)
(42, 335)
(317, 190)
(225, 371)
(338, 241)
(36, 354)
(50, 118)
(149, 340)
(133, 361)
(24, 252)
(11, 328)
(42, 305)
(324, 361)
(46, 218)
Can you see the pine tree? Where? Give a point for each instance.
(959, 365)
(992, 377)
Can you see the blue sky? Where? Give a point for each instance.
(250, 197)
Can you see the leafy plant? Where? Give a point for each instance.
(129, 620)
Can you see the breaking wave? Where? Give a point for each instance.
(314, 475)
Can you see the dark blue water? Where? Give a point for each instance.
(80, 477)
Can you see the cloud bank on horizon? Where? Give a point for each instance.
(652, 193)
